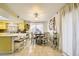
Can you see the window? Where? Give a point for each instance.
(36, 27)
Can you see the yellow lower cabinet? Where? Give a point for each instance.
(5, 44)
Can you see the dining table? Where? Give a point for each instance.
(38, 38)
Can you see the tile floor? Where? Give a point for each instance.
(36, 50)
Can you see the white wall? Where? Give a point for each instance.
(45, 26)
(57, 18)
(66, 43)
(7, 15)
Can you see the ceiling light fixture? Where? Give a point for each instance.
(17, 16)
(36, 15)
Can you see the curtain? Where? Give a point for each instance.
(76, 17)
(70, 28)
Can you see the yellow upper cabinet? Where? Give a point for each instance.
(3, 25)
(23, 26)
(27, 27)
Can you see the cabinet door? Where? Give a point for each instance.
(5, 44)
(3, 26)
(21, 26)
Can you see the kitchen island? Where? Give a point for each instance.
(7, 42)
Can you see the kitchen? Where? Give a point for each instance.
(9, 33)
(26, 31)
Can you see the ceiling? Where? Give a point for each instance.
(26, 11)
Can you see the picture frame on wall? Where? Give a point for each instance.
(52, 24)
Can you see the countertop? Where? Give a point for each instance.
(12, 34)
